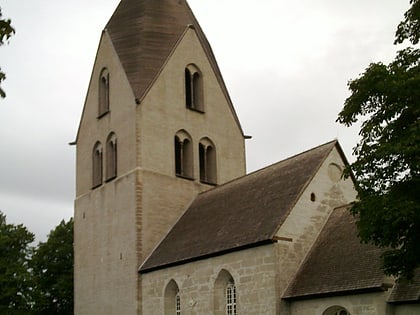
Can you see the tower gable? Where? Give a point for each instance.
(144, 34)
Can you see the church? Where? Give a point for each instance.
(166, 219)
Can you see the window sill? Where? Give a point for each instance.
(96, 186)
(110, 179)
(102, 114)
(184, 177)
(208, 183)
(196, 110)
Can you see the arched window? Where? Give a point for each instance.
(97, 165)
(207, 157)
(194, 88)
(172, 299)
(111, 157)
(336, 310)
(183, 155)
(103, 107)
(225, 299)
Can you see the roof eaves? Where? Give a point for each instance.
(87, 91)
(144, 269)
(292, 297)
(212, 58)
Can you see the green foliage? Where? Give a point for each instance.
(6, 31)
(36, 280)
(52, 265)
(15, 285)
(410, 27)
(386, 99)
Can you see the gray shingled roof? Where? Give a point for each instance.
(338, 263)
(242, 213)
(145, 32)
(406, 291)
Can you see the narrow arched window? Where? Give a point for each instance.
(207, 158)
(231, 299)
(111, 157)
(172, 299)
(97, 165)
(225, 294)
(103, 107)
(194, 88)
(183, 155)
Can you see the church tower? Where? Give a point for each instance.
(157, 128)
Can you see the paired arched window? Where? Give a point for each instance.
(207, 156)
(172, 299)
(111, 156)
(194, 88)
(183, 155)
(110, 161)
(225, 294)
(184, 158)
(97, 165)
(103, 92)
(336, 310)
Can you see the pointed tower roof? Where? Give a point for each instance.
(145, 32)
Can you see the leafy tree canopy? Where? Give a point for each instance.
(15, 282)
(6, 31)
(386, 99)
(52, 265)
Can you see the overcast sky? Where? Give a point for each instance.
(286, 65)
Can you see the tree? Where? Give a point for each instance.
(52, 268)
(15, 253)
(386, 100)
(6, 31)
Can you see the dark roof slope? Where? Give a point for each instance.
(242, 213)
(338, 262)
(145, 32)
(406, 291)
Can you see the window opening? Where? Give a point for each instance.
(97, 165)
(336, 310)
(231, 299)
(103, 93)
(172, 299)
(207, 160)
(194, 88)
(183, 155)
(111, 157)
(177, 304)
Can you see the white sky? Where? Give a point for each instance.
(286, 65)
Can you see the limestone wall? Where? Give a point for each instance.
(309, 215)
(408, 309)
(163, 112)
(253, 271)
(160, 115)
(105, 233)
(359, 304)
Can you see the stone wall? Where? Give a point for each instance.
(358, 304)
(105, 238)
(326, 191)
(253, 272)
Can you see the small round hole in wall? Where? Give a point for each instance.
(313, 197)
